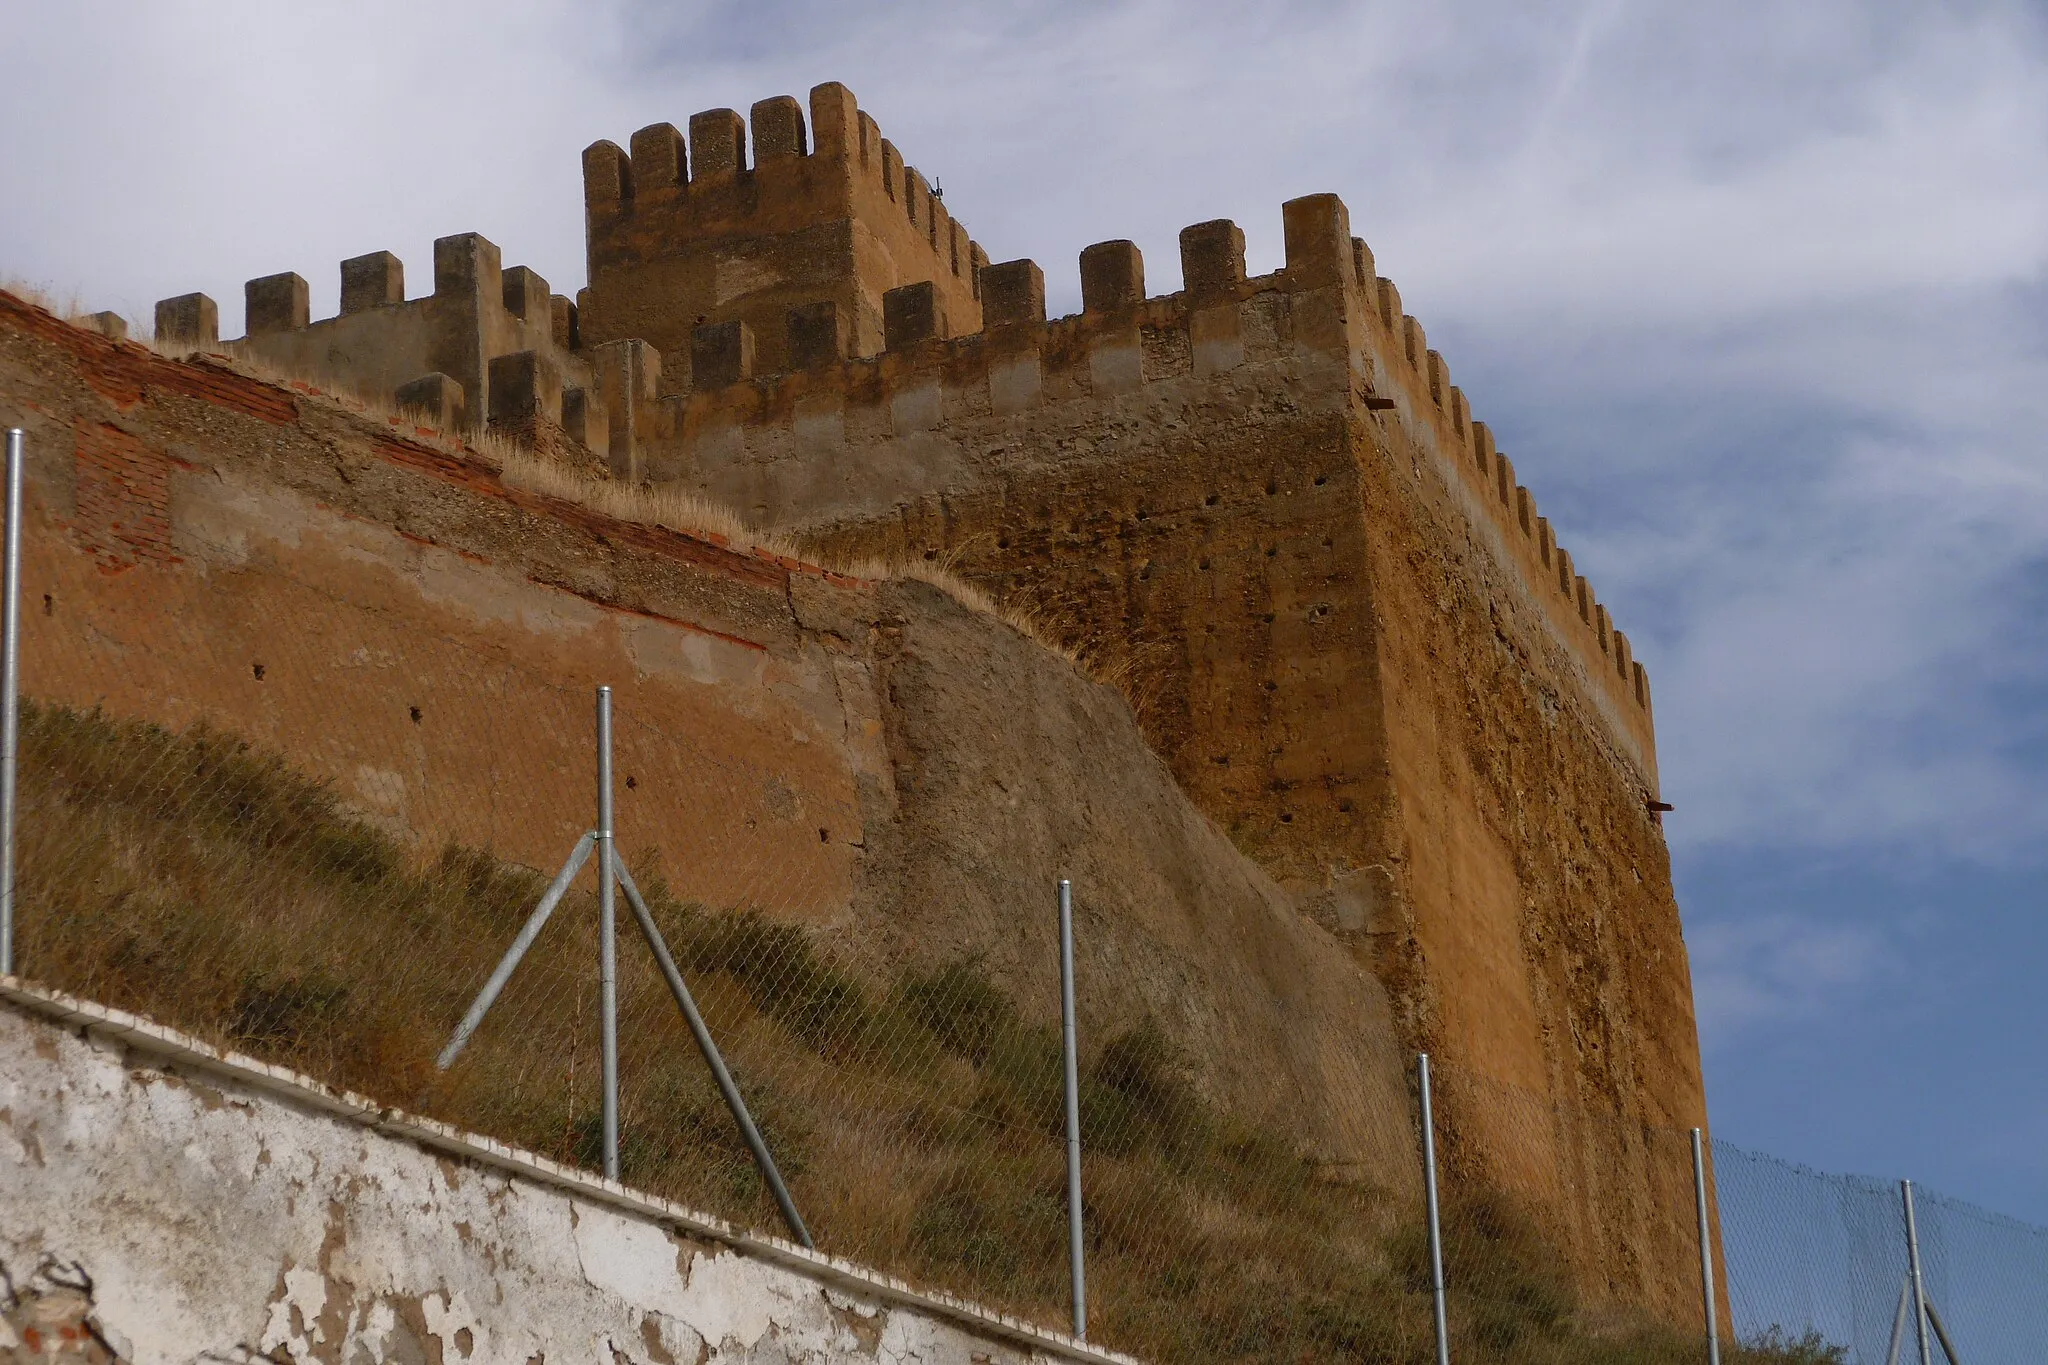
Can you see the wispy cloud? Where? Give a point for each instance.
(1779, 970)
(1757, 295)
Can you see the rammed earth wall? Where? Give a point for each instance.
(1347, 629)
(871, 760)
(1260, 502)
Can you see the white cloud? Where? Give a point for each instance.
(1774, 970)
(1755, 291)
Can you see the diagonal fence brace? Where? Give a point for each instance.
(677, 987)
(534, 922)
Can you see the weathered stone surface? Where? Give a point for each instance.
(1261, 503)
(845, 755)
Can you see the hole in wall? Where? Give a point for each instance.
(415, 714)
(824, 836)
(257, 671)
(631, 784)
(49, 605)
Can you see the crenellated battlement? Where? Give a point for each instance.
(775, 440)
(1261, 502)
(684, 229)
(490, 346)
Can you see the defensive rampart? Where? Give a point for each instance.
(1259, 502)
(1263, 503)
(684, 233)
(379, 606)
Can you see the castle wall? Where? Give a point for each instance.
(1263, 505)
(380, 608)
(351, 612)
(381, 344)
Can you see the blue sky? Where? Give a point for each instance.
(1754, 295)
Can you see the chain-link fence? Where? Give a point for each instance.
(1810, 1253)
(283, 815)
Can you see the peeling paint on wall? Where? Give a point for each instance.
(162, 1202)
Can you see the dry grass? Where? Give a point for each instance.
(70, 307)
(917, 1119)
(676, 509)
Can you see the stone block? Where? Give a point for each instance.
(778, 129)
(628, 381)
(818, 335)
(275, 303)
(526, 297)
(912, 313)
(110, 325)
(1319, 242)
(659, 161)
(717, 143)
(1390, 304)
(1112, 277)
(562, 323)
(436, 400)
(525, 385)
(835, 117)
(607, 178)
(376, 280)
(468, 261)
(190, 318)
(1013, 292)
(585, 420)
(1212, 259)
(721, 353)
(1363, 268)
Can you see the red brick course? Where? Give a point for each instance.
(124, 497)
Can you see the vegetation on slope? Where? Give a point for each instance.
(190, 878)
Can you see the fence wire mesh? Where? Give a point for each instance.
(1814, 1254)
(311, 836)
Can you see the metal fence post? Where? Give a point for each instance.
(1074, 1252)
(1913, 1274)
(607, 936)
(1436, 1237)
(10, 698)
(1699, 1191)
